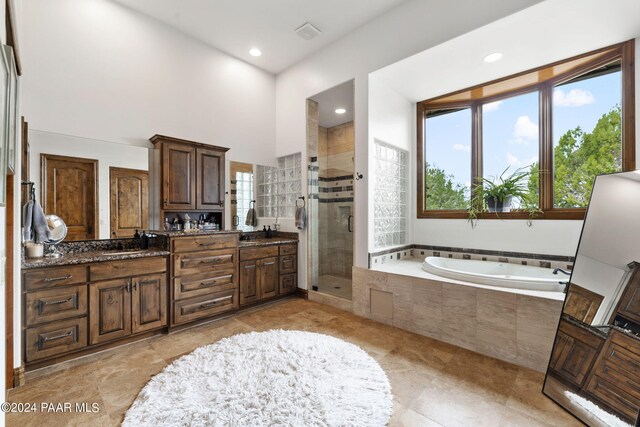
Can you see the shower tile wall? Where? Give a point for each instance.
(335, 194)
(312, 204)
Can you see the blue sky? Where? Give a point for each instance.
(510, 127)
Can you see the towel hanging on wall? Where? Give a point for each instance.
(301, 215)
(252, 218)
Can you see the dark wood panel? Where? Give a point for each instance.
(149, 302)
(43, 278)
(200, 243)
(288, 264)
(69, 190)
(249, 291)
(289, 249)
(55, 304)
(126, 268)
(210, 261)
(288, 283)
(581, 303)
(629, 305)
(269, 279)
(129, 201)
(257, 253)
(210, 186)
(55, 338)
(178, 176)
(109, 310)
(613, 396)
(204, 283)
(191, 309)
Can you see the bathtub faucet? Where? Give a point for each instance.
(561, 271)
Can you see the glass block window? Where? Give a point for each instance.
(244, 196)
(289, 184)
(390, 196)
(279, 187)
(267, 180)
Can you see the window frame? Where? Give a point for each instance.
(544, 86)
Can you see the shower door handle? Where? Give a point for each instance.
(349, 224)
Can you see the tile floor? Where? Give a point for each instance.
(433, 383)
(335, 285)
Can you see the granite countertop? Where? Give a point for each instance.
(91, 256)
(600, 330)
(194, 232)
(266, 242)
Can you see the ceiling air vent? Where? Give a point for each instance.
(307, 31)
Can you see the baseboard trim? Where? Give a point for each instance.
(302, 293)
(18, 376)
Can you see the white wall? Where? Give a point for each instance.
(98, 70)
(107, 154)
(410, 28)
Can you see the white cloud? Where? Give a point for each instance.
(515, 162)
(462, 147)
(492, 106)
(573, 98)
(525, 130)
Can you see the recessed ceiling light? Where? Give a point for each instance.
(493, 57)
(255, 52)
(340, 111)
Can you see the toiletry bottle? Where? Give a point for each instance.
(269, 233)
(144, 240)
(136, 235)
(167, 226)
(264, 229)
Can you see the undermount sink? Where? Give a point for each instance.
(124, 252)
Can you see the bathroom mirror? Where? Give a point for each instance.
(110, 182)
(594, 369)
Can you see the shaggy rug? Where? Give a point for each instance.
(606, 417)
(288, 378)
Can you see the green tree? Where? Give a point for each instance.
(441, 192)
(581, 156)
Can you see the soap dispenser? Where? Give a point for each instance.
(264, 230)
(269, 233)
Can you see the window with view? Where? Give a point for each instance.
(563, 124)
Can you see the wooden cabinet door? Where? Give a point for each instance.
(69, 190)
(210, 181)
(629, 305)
(129, 201)
(148, 302)
(269, 279)
(249, 289)
(178, 176)
(571, 357)
(109, 310)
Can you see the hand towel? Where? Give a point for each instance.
(301, 217)
(252, 219)
(41, 231)
(27, 221)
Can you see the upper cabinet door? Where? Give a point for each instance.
(178, 176)
(129, 201)
(210, 182)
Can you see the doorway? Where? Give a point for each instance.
(69, 190)
(330, 162)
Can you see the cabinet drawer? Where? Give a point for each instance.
(56, 338)
(126, 268)
(203, 262)
(54, 277)
(201, 307)
(288, 249)
(611, 373)
(623, 360)
(199, 243)
(203, 284)
(257, 253)
(55, 304)
(288, 264)
(288, 283)
(613, 396)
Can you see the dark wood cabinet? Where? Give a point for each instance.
(629, 304)
(148, 302)
(268, 277)
(210, 172)
(129, 201)
(109, 310)
(249, 291)
(574, 352)
(178, 177)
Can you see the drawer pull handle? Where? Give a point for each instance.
(57, 337)
(147, 282)
(213, 282)
(55, 279)
(60, 301)
(215, 301)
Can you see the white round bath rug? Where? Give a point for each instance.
(273, 378)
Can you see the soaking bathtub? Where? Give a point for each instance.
(496, 273)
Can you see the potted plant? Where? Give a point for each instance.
(498, 194)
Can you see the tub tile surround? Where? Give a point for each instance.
(423, 251)
(515, 327)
